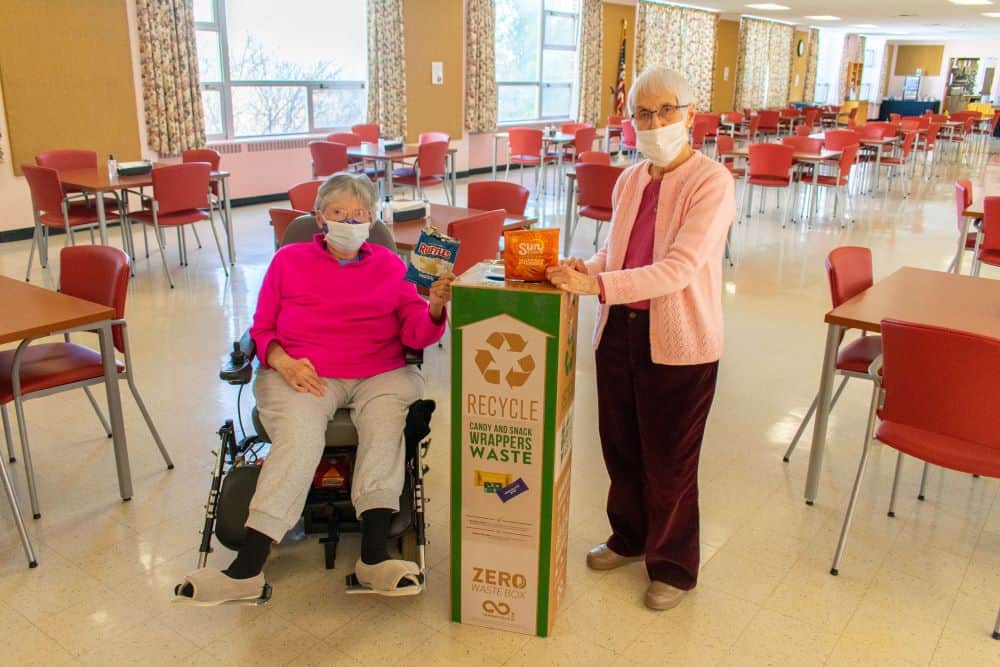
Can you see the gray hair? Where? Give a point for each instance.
(347, 184)
(659, 79)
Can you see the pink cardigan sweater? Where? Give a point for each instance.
(684, 282)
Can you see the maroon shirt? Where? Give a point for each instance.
(640, 243)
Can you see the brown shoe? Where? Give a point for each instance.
(602, 557)
(661, 596)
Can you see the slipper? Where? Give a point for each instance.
(213, 587)
(387, 578)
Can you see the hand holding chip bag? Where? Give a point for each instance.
(528, 252)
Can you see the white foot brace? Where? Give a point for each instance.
(386, 578)
(212, 587)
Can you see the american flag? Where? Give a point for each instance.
(620, 86)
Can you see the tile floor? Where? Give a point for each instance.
(920, 589)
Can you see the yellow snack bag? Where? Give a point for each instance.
(528, 252)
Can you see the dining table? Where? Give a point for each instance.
(385, 156)
(406, 234)
(923, 296)
(548, 140)
(31, 312)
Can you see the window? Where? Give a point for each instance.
(264, 72)
(536, 42)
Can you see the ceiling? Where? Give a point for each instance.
(927, 20)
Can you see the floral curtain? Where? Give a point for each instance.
(681, 38)
(752, 62)
(591, 50)
(175, 119)
(812, 61)
(854, 52)
(386, 67)
(883, 76)
(779, 66)
(480, 67)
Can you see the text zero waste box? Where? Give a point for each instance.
(513, 371)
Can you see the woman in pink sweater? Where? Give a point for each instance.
(658, 337)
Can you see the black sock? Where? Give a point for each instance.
(250, 559)
(374, 534)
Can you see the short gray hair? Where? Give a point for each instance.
(659, 79)
(351, 185)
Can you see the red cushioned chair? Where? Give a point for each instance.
(594, 185)
(900, 160)
(214, 158)
(699, 132)
(963, 200)
(803, 144)
(479, 235)
(840, 181)
(730, 122)
(491, 195)
(849, 273)
(428, 137)
(524, 148)
(180, 197)
(927, 142)
(302, 196)
(571, 128)
(934, 402)
(430, 168)
(583, 141)
(724, 145)
(768, 122)
(350, 140)
(989, 245)
(628, 138)
(593, 157)
(770, 167)
(281, 218)
(69, 159)
(369, 132)
(811, 118)
(713, 120)
(94, 273)
(54, 210)
(328, 158)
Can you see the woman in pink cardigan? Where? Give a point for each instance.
(658, 337)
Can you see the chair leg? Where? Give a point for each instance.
(97, 409)
(31, 254)
(43, 245)
(923, 481)
(8, 488)
(181, 246)
(743, 202)
(145, 239)
(163, 255)
(7, 434)
(29, 471)
(996, 627)
(869, 428)
(788, 205)
(197, 239)
(218, 245)
(149, 422)
(895, 485)
(809, 414)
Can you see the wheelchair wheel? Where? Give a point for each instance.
(408, 546)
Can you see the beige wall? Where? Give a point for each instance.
(614, 14)
(926, 57)
(797, 81)
(434, 31)
(726, 49)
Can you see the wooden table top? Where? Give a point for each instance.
(916, 295)
(799, 156)
(97, 180)
(30, 311)
(371, 151)
(557, 138)
(406, 234)
(976, 210)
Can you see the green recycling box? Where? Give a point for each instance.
(513, 370)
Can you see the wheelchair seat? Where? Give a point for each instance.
(340, 431)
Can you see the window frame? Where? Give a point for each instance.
(227, 83)
(540, 84)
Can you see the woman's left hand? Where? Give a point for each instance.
(572, 281)
(440, 294)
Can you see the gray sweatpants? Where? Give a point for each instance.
(296, 423)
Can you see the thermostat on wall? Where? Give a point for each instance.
(437, 73)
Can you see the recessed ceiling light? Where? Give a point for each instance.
(971, 2)
(824, 17)
(769, 7)
(992, 15)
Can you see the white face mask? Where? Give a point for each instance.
(346, 237)
(663, 144)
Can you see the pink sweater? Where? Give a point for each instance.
(684, 282)
(350, 320)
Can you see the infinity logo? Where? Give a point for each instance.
(491, 607)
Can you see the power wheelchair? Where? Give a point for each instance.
(328, 509)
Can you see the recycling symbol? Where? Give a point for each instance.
(520, 369)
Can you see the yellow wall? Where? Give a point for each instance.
(910, 57)
(66, 71)
(434, 31)
(726, 48)
(798, 66)
(614, 14)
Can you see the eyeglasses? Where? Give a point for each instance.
(665, 114)
(343, 215)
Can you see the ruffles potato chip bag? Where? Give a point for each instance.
(528, 252)
(433, 257)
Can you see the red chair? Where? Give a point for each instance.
(839, 180)
(803, 144)
(94, 273)
(724, 146)
(351, 140)
(571, 128)
(989, 246)
(180, 197)
(851, 121)
(927, 142)
(768, 122)
(281, 218)
(53, 209)
(730, 122)
(428, 169)
(699, 132)
(628, 138)
(811, 118)
(963, 200)
(302, 196)
(583, 142)
(369, 132)
(427, 137)
(491, 195)
(524, 148)
(214, 158)
(909, 124)
(328, 158)
(802, 130)
(937, 405)
(837, 140)
(594, 185)
(70, 159)
(770, 167)
(615, 121)
(901, 160)
(479, 236)
(593, 157)
(849, 273)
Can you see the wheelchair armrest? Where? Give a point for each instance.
(413, 357)
(237, 369)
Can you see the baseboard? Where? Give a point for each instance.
(24, 234)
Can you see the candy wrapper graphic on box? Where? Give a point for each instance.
(432, 258)
(528, 252)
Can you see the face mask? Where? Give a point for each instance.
(664, 144)
(347, 237)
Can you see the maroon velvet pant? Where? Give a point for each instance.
(652, 418)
